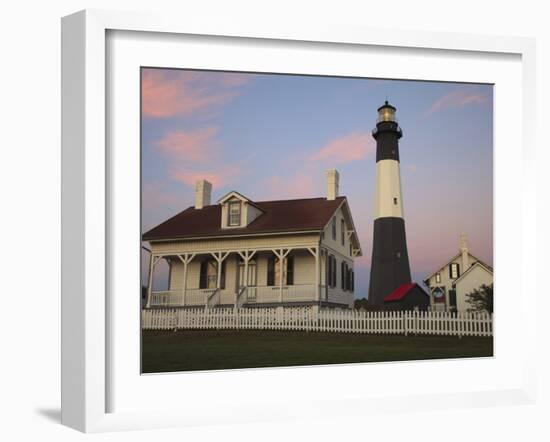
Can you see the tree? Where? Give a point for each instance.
(359, 304)
(481, 299)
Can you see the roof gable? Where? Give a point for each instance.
(452, 259)
(233, 194)
(474, 265)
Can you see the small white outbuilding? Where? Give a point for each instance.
(461, 275)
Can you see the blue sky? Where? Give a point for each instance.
(272, 136)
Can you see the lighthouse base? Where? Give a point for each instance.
(390, 260)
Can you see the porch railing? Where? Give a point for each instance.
(272, 294)
(166, 298)
(247, 295)
(174, 298)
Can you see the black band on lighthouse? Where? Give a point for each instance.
(390, 259)
(387, 134)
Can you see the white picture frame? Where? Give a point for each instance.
(86, 353)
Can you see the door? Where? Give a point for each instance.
(251, 292)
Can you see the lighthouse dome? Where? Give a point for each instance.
(386, 113)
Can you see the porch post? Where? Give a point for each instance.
(245, 282)
(317, 274)
(152, 263)
(185, 259)
(246, 255)
(184, 290)
(220, 258)
(219, 280)
(316, 252)
(281, 260)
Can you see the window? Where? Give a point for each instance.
(290, 270)
(454, 270)
(334, 229)
(234, 214)
(274, 271)
(395, 201)
(209, 274)
(343, 231)
(438, 278)
(331, 279)
(271, 270)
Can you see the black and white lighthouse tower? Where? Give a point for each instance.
(390, 260)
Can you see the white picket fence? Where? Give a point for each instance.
(324, 320)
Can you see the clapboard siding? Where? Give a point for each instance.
(227, 244)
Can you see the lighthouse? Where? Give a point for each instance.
(390, 260)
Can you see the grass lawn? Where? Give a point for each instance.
(184, 350)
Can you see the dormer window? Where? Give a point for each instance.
(234, 214)
(237, 211)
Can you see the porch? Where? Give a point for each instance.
(246, 278)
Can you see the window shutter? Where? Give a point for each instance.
(290, 270)
(334, 271)
(451, 271)
(271, 270)
(352, 281)
(222, 282)
(343, 274)
(202, 279)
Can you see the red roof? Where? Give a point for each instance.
(400, 292)
(279, 216)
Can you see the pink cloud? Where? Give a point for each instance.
(298, 186)
(459, 98)
(352, 147)
(177, 93)
(218, 176)
(155, 196)
(196, 146)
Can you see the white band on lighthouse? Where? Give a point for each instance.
(388, 199)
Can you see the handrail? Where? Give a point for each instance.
(211, 296)
(240, 298)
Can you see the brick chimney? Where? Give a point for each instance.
(333, 178)
(203, 192)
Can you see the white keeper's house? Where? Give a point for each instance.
(245, 253)
(461, 275)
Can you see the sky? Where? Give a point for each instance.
(272, 136)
